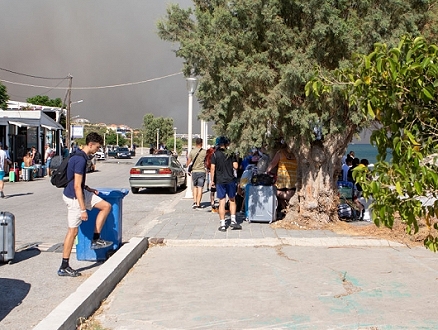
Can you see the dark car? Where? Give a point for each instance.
(157, 171)
(123, 153)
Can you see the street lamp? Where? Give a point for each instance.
(158, 137)
(68, 123)
(192, 83)
(174, 140)
(142, 143)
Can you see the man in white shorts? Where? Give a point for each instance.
(80, 198)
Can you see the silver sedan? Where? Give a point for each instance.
(157, 171)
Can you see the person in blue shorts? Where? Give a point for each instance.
(223, 166)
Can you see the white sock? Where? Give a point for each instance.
(222, 223)
(233, 218)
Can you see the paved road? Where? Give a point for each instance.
(267, 278)
(30, 287)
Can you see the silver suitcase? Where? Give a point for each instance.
(260, 203)
(7, 237)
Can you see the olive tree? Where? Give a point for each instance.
(255, 57)
(397, 87)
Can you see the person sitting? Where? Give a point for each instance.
(27, 160)
(286, 175)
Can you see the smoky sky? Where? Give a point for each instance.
(100, 43)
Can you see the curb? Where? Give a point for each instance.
(272, 242)
(89, 295)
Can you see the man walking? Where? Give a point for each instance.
(79, 198)
(223, 166)
(197, 157)
(3, 162)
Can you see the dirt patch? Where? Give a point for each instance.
(363, 228)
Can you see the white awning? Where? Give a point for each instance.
(18, 123)
(52, 128)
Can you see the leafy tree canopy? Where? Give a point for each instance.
(398, 88)
(45, 100)
(150, 126)
(255, 57)
(3, 97)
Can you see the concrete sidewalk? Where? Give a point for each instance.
(259, 277)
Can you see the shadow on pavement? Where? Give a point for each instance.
(25, 255)
(18, 195)
(96, 264)
(13, 293)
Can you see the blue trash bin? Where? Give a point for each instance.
(111, 231)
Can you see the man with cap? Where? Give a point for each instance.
(3, 160)
(223, 165)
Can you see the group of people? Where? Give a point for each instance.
(352, 167)
(224, 170)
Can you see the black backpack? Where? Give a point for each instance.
(59, 174)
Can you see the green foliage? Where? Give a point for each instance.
(255, 57)
(45, 100)
(150, 126)
(179, 145)
(3, 96)
(398, 88)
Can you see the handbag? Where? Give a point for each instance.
(190, 167)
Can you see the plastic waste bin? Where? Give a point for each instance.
(111, 231)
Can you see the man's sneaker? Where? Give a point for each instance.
(68, 272)
(222, 228)
(235, 225)
(2, 195)
(199, 208)
(100, 244)
(194, 206)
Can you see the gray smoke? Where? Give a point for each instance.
(99, 42)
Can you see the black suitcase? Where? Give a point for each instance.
(7, 237)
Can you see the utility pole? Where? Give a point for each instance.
(67, 119)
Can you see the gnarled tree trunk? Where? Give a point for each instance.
(319, 166)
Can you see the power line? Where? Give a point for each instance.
(29, 75)
(96, 87)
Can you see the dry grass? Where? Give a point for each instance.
(368, 229)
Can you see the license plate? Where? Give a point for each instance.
(149, 171)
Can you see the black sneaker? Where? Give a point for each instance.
(235, 225)
(222, 228)
(68, 272)
(194, 206)
(100, 244)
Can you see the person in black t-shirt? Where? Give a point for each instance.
(223, 165)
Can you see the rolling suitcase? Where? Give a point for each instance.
(260, 203)
(7, 237)
(14, 174)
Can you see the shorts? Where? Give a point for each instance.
(48, 161)
(198, 179)
(227, 189)
(74, 210)
(2, 175)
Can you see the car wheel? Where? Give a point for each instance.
(174, 188)
(135, 190)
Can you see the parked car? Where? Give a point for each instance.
(100, 155)
(157, 171)
(123, 153)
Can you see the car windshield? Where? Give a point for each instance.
(123, 149)
(153, 161)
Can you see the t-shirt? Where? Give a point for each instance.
(2, 160)
(76, 164)
(198, 166)
(224, 171)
